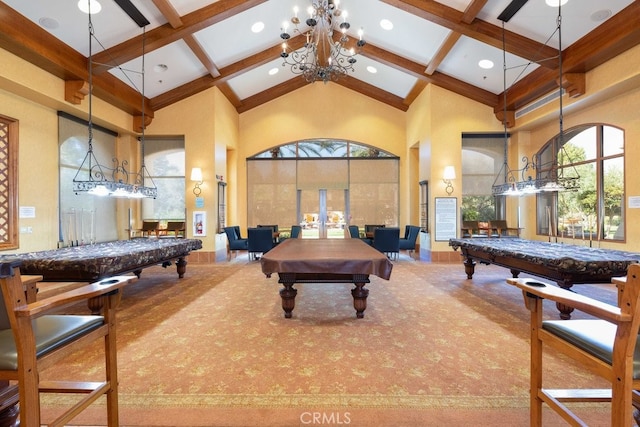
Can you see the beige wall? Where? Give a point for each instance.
(209, 125)
(437, 119)
(321, 111)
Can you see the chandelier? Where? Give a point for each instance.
(325, 55)
(116, 180)
(534, 177)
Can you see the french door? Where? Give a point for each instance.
(323, 213)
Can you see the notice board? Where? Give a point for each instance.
(446, 218)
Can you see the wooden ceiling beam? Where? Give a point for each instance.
(202, 56)
(271, 94)
(437, 78)
(373, 92)
(226, 74)
(28, 41)
(442, 52)
(472, 10)
(485, 32)
(169, 12)
(618, 34)
(166, 34)
(467, 17)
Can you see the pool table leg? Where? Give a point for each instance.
(360, 295)
(288, 295)
(181, 266)
(565, 310)
(469, 267)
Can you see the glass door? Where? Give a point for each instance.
(322, 213)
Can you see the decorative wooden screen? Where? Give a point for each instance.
(424, 206)
(8, 183)
(222, 206)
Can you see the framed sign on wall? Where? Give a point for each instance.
(199, 224)
(446, 217)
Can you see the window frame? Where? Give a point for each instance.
(547, 210)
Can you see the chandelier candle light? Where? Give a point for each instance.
(536, 177)
(117, 181)
(323, 57)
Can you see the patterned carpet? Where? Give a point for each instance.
(213, 349)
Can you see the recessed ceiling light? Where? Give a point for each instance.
(601, 15)
(485, 63)
(257, 27)
(386, 24)
(86, 5)
(372, 69)
(554, 3)
(49, 23)
(160, 68)
(273, 71)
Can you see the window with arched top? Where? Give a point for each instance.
(323, 185)
(594, 210)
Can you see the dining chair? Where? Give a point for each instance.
(149, 228)
(387, 241)
(354, 233)
(177, 228)
(235, 242)
(408, 242)
(36, 336)
(260, 241)
(296, 231)
(501, 228)
(606, 344)
(469, 229)
(275, 229)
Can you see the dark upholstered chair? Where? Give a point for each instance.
(408, 242)
(606, 345)
(370, 228)
(387, 241)
(274, 228)
(260, 241)
(235, 241)
(354, 233)
(35, 336)
(296, 231)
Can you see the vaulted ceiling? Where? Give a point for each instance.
(192, 45)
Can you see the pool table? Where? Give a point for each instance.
(90, 263)
(564, 264)
(325, 261)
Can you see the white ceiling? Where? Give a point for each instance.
(231, 40)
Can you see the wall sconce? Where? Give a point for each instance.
(196, 175)
(449, 175)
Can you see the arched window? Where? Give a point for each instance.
(595, 210)
(323, 185)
